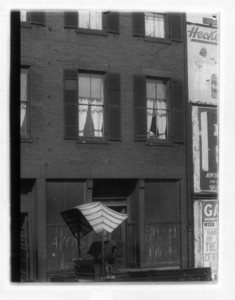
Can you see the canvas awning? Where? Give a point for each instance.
(92, 216)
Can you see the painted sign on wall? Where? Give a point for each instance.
(206, 235)
(205, 148)
(202, 64)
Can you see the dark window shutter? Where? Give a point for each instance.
(114, 106)
(71, 19)
(139, 94)
(37, 18)
(70, 104)
(112, 22)
(138, 24)
(178, 111)
(176, 26)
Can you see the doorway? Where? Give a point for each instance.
(119, 234)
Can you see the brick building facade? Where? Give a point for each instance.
(122, 150)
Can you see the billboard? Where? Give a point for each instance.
(206, 235)
(202, 43)
(205, 149)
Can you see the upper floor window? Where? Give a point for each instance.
(23, 16)
(158, 27)
(90, 20)
(157, 109)
(95, 22)
(24, 103)
(155, 25)
(90, 105)
(32, 17)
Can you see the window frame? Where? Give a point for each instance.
(168, 140)
(92, 30)
(26, 23)
(27, 136)
(166, 27)
(110, 22)
(94, 139)
(29, 22)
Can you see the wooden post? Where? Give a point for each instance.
(79, 241)
(102, 254)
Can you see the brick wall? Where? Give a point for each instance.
(52, 49)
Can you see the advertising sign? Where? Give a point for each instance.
(202, 64)
(206, 235)
(205, 148)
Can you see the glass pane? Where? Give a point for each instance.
(161, 90)
(96, 20)
(23, 118)
(97, 114)
(159, 26)
(23, 85)
(23, 101)
(23, 16)
(97, 88)
(149, 29)
(84, 86)
(83, 19)
(151, 89)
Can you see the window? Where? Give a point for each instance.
(24, 105)
(95, 22)
(157, 109)
(90, 20)
(159, 112)
(158, 27)
(90, 105)
(36, 17)
(155, 25)
(23, 16)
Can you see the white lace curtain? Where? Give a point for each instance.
(91, 95)
(90, 20)
(23, 95)
(156, 109)
(155, 25)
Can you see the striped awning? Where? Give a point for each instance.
(92, 216)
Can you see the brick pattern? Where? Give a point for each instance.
(53, 49)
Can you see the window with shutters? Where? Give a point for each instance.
(155, 25)
(95, 22)
(158, 110)
(90, 20)
(162, 27)
(24, 103)
(92, 106)
(36, 17)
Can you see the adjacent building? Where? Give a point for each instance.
(203, 98)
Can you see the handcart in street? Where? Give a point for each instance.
(100, 260)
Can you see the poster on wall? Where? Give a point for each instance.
(205, 149)
(202, 42)
(206, 235)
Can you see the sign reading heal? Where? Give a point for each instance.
(202, 64)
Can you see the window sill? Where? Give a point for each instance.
(91, 31)
(94, 142)
(159, 143)
(26, 139)
(26, 25)
(157, 40)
